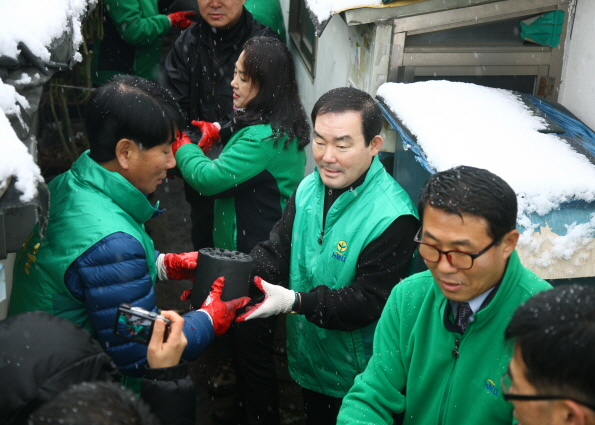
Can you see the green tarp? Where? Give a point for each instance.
(545, 29)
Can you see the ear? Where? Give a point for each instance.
(574, 413)
(376, 144)
(509, 242)
(124, 151)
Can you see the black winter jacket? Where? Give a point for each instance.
(42, 355)
(199, 68)
(198, 72)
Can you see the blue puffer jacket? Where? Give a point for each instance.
(111, 272)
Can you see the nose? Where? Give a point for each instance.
(329, 155)
(444, 266)
(171, 160)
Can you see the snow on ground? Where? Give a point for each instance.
(466, 124)
(36, 23)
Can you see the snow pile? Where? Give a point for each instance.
(15, 159)
(324, 9)
(466, 124)
(36, 23)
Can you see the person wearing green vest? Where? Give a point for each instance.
(95, 253)
(439, 347)
(132, 38)
(344, 241)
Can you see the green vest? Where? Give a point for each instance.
(88, 203)
(323, 360)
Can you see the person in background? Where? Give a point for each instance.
(132, 37)
(344, 241)
(43, 356)
(198, 72)
(439, 346)
(256, 173)
(96, 254)
(551, 376)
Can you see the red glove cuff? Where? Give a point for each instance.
(181, 140)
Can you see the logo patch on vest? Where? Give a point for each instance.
(491, 387)
(339, 254)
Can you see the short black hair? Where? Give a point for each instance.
(473, 191)
(269, 65)
(130, 107)
(555, 331)
(345, 99)
(94, 403)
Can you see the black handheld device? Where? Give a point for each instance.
(136, 324)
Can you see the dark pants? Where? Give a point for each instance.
(201, 218)
(256, 374)
(320, 409)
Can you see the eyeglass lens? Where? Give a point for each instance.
(460, 260)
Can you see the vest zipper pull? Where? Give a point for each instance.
(320, 238)
(455, 351)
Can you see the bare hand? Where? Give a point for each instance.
(167, 354)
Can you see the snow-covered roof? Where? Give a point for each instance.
(467, 124)
(36, 24)
(321, 11)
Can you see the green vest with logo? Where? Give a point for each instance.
(323, 360)
(87, 204)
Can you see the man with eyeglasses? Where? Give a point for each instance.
(551, 377)
(439, 349)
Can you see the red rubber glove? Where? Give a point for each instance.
(222, 313)
(181, 139)
(177, 266)
(180, 19)
(210, 134)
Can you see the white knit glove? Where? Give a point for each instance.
(277, 300)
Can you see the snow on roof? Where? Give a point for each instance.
(321, 11)
(461, 123)
(466, 124)
(36, 23)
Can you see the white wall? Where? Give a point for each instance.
(331, 68)
(577, 89)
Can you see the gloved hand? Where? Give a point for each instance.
(181, 139)
(210, 134)
(277, 300)
(176, 266)
(180, 19)
(222, 313)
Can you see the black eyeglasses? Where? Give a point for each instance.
(458, 259)
(506, 385)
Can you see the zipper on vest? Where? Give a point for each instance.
(455, 351)
(320, 237)
(443, 406)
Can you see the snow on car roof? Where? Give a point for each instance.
(467, 124)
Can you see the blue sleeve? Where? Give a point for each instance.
(199, 333)
(111, 272)
(115, 271)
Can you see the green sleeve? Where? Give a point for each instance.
(244, 158)
(376, 393)
(138, 22)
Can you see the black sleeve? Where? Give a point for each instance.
(175, 72)
(380, 266)
(171, 394)
(272, 257)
